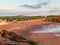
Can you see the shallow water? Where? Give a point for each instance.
(49, 29)
(56, 34)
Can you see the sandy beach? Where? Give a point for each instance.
(27, 28)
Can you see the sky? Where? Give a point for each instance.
(29, 7)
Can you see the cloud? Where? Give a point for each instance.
(8, 13)
(29, 6)
(55, 10)
(36, 6)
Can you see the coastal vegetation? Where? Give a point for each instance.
(23, 18)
